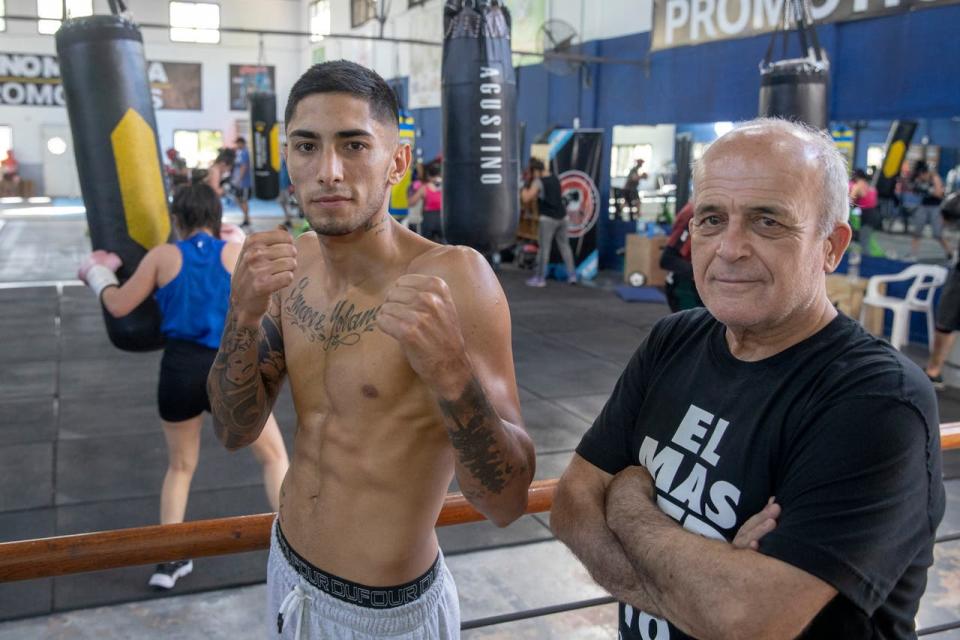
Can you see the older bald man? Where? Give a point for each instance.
(764, 468)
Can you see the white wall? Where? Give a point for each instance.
(290, 56)
(603, 19)
(592, 19)
(285, 53)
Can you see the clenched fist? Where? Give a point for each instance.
(232, 233)
(420, 313)
(266, 265)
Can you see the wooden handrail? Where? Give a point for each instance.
(61, 555)
(950, 435)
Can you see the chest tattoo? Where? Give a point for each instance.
(344, 325)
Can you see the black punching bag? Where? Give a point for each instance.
(265, 158)
(104, 75)
(481, 165)
(683, 158)
(795, 90)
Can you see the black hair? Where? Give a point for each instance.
(197, 206)
(240, 140)
(919, 167)
(536, 164)
(433, 170)
(342, 76)
(860, 174)
(226, 156)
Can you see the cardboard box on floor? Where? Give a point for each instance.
(847, 294)
(643, 256)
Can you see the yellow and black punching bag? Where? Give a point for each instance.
(898, 143)
(104, 75)
(265, 158)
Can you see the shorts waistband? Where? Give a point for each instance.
(352, 592)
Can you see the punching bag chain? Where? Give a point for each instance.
(809, 41)
(117, 7)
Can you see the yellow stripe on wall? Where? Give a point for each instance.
(141, 181)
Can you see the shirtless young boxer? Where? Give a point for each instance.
(399, 357)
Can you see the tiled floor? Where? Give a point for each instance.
(80, 450)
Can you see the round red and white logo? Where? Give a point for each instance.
(582, 199)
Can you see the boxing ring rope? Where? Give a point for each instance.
(62, 555)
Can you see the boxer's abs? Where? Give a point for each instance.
(366, 516)
(371, 460)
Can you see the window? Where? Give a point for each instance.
(624, 155)
(361, 11)
(319, 20)
(198, 148)
(875, 155)
(6, 140)
(195, 22)
(50, 13)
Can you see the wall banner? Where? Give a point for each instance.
(249, 77)
(678, 23)
(33, 80)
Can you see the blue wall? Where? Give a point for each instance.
(901, 66)
(428, 121)
(429, 124)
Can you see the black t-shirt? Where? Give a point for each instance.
(550, 198)
(924, 188)
(841, 428)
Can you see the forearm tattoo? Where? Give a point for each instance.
(270, 352)
(245, 377)
(472, 425)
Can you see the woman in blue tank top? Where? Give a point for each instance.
(191, 282)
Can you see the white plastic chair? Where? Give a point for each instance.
(926, 278)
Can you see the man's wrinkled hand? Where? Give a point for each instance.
(757, 526)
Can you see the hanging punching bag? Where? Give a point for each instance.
(683, 158)
(796, 90)
(104, 76)
(265, 158)
(481, 165)
(898, 143)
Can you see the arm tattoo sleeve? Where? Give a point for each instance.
(271, 356)
(476, 433)
(246, 376)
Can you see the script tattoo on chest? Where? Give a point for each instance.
(344, 325)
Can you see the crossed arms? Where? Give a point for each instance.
(707, 588)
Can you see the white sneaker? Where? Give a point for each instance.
(168, 573)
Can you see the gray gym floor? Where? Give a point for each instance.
(80, 450)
